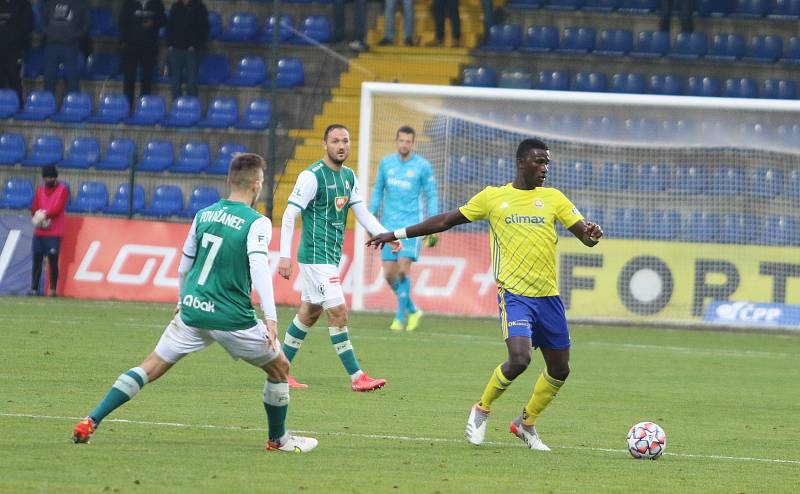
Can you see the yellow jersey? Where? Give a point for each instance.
(523, 234)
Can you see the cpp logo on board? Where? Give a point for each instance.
(753, 313)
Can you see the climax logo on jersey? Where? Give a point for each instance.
(523, 219)
(196, 303)
(341, 202)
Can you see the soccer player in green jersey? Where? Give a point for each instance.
(224, 255)
(323, 195)
(521, 216)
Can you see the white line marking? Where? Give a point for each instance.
(389, 437)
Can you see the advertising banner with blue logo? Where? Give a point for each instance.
(16, 236)
(753, 314)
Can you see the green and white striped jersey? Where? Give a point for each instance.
(216, 292)
(325, 196)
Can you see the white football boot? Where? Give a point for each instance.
(293, 444)
(528, 435)
(476, 425)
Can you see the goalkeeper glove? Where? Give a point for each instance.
(431, 240)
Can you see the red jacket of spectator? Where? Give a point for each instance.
(53, 201)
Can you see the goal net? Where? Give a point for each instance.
(699, 199)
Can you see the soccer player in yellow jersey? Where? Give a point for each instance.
(522, 218)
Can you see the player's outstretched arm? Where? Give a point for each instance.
(287, 232)
(434, 224)
(587, 232)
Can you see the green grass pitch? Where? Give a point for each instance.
(729, 402)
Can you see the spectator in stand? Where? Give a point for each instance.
(139, 22)
(358, 40)
(187, 33)
(408, 22)
(685, 11)
(16, 26)
(442, 9)
(48, 219)
(64, 24)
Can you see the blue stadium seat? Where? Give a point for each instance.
(120, 202)
(601, 5)
(601, 126)
(639, 129)
(222, 113)
(676, 130)
(703, 86)
(726, 47)
(515, 79)
(9, 103)
(111, 109)
(285, 32)
(479, 77)
(194, 157)
(663, 224)
(157, 156)
(75, 108)
(540, 39)
(39, 105)
(627, 83)
(639, 6)
(784, 10)
(503, 37)
(563, 4)
(214, 25)
(791, 52)
(83, 152)
(577, 40)
(615, 176)
(764, 182)
(740, 228)
(565, 123)
(627, 223)
(779, 229)
(650, 178)
(740, 88)
(313, 29)
(689, 46)
(224, 155)
(526, 4)
(689, 180)
(92, 197)
(148, 111)
(572, 174)
(185, 112)
(47, 150)
(651, 44)
(779, 89)
(793, 184)
(17, 194)
(12, 149)
(702, 226)
(290, 73)
(242, 26)
(591, 81)
(727, 181)
(101, 22)
(249, 71)
(101, 67)
(615, 42)
(214, 70)
(33, 65)
(668, 84)
(119, 155)
(749, 9)
(167, 201)
(714, 8)
(766, 49)
(200, 198)
(256, 115)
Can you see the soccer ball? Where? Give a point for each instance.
(40, 219)
(646, 440)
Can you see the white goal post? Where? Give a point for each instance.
(699, 198)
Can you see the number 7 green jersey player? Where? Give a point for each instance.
(224, 255)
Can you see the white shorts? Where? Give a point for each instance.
(321, 285)
(251, 345)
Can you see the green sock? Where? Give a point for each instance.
(295, 335)
(276, 404)
(125, 388)
(341, 343)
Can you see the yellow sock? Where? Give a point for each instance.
(544, 391)
(494, 388)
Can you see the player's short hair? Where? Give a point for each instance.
(333, 127)
(405, 129)
(244, 169)
(525, 147)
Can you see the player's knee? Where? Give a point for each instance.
(337, 316)
(278, 369)
(559, 370)
(519, 362)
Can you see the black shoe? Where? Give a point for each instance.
(408, 42)
(385, 42)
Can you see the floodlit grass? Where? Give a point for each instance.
(729, 403)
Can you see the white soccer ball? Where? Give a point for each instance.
(646, 440)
